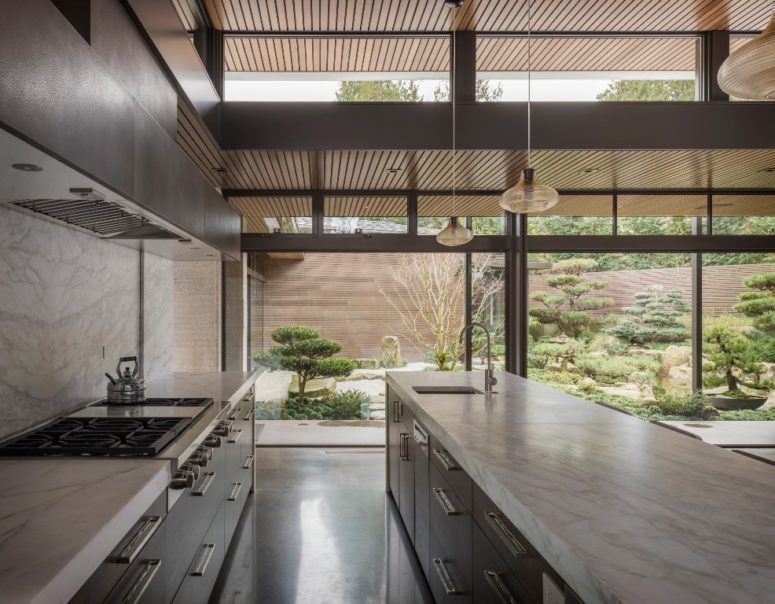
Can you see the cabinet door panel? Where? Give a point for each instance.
(406, 480)
(422, 534)
(493, 583)
(393, 427)
(450, 543)
(455, 476)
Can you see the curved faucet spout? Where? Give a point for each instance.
(489, 378)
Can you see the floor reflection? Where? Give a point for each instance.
(320, 529)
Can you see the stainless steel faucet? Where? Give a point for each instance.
(489, 378)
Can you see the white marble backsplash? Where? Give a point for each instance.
(65, 295)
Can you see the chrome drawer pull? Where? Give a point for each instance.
(444, 502)
(506, 536)
(205, 484)
(200, 568)
(235, 435)
(498, 587)
(403, 446)
(150, 568)
(235, 491)
(137, 543)
(248, 462)
(445, 460)
(446, 580)
(248, 416)
(396, 417)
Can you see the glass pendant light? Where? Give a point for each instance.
(529, 195)
(749, 72)
(454, 233)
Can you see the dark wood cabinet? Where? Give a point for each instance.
(468, 549)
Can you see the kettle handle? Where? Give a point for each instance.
(127, 360)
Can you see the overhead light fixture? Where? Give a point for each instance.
(27, 167)
(453, 3)
(749, 72)
(454, 233)
(218, 169)
(767, 170)
(589, 170)
(529, 195)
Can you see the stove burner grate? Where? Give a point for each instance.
(98, 436)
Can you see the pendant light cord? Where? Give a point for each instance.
(454, 116)
(529, 81)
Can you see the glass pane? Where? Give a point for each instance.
(587, 68)
(575, 215)
(487, 217)
(659, 214)
(744, 214)
(365, 215)
(738, 334)
(274, 214)
(488, 306)
(617, 335)
(345, 69)
(255, 318)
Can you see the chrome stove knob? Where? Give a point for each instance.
(182, 480)
(206, 451)
(213, 441)
(222, 429)
(190, 468)
(198, 459)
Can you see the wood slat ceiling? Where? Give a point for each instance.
(255, 209)
(195, 139)
(489, 15)
(336, 54)
(500, 169)
(365, 206)
(662, 205)
(185, 14)
(744, 205)
(587, 54)
(581, 205)
(464, 205)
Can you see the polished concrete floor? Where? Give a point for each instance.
(320, 529)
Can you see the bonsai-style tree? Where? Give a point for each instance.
(302, 350)
(653, 318)
(759, 304)
(569, 306)
(562, 349)
(733, 356)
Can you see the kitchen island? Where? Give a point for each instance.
(61, 517)
(619, 509)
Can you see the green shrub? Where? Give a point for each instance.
(733, 355)
(654, 317)
(302, 350)
(691, 405)
(613, 369)
(340, 406)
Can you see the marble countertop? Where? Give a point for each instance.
(624, 510)
(729, 433)
(59, 519)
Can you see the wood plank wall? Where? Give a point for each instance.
(341, 295)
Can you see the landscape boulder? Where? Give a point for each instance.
(391, 352)
(680, 376)
(316, 388)
(675, 356)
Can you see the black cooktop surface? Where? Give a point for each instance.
(162, 402)
(98, 436)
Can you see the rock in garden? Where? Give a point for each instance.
(675, 356)
(315, 388)
(680, 376)
(391, 352)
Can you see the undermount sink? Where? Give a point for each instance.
(446, 390)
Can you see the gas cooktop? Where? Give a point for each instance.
(161, 402)
(97, 436)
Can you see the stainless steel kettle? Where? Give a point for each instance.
(127, 388)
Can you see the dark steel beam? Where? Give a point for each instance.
(647, 244)
(383, 243)
(697, 312)
(411, 214)
(408, 126)
(253, 33)
(468, 312)
(714, 51)
(463, 61)
(522, 304)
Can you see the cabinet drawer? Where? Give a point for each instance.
(521, 558)
(203, 569)
(450, 543)
(144, 582)
(145, 541)
(234, 504)
(455, 476)
(493, 582)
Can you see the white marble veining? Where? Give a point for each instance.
(158, 295)
(64, 295)
(59, 519)
(624, 510)
(221, 386)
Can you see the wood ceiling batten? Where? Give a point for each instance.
(255, 209)
(197, 142)
(365, 206)
(499, 169)
(588, 54)
(464, 205)
(299, 55)
(488, 15)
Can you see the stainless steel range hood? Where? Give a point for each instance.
(38, 184)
